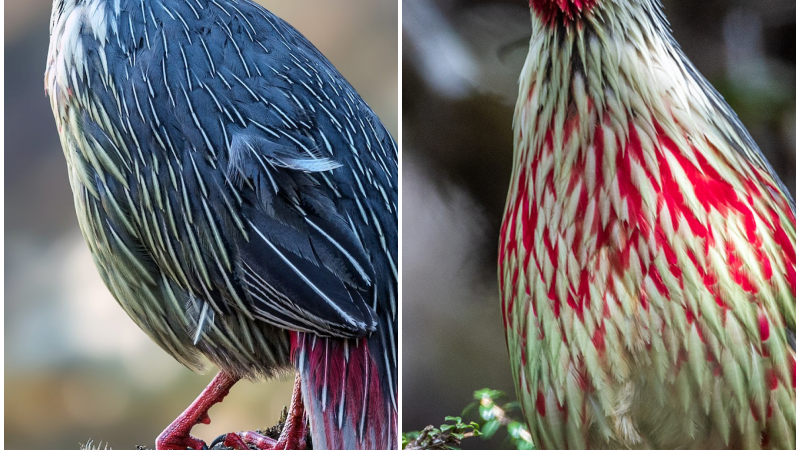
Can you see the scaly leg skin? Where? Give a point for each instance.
(176, 436)
(293, 435)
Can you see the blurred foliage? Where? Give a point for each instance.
(491, 418)
(446, 437)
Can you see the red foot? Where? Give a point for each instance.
(179, 443)
(176, 436)
(293, 435)
(240, 441)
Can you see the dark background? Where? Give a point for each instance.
(461, 61)
(75, 366)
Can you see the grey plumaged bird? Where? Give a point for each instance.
(240, 201)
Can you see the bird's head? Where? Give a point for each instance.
(561, 11)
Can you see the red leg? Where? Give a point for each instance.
(295, 429)
(293, 435)
(176, 436)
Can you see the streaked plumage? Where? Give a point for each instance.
(647, 255)
(238, 196)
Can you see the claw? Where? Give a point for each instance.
(245, 440)
(176, 436)
(293, 436)
(219, 440)
(179, 443)
(232, 440)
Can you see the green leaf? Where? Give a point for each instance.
(488, 393)
(513, 429)
(486, 412)
(524, 445)
(490, 428)
(411, 435)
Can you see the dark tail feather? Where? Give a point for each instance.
(344, 395)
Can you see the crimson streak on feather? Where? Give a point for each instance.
(647, 256)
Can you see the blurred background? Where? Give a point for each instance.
(75, 366)
(461, 60)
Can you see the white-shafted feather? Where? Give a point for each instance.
(658, 224)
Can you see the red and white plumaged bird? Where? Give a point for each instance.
(647, 254)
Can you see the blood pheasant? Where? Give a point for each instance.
(647, 255)
(240, 201)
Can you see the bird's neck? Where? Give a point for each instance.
(591, 93)
(620, 145)
(595, 99)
